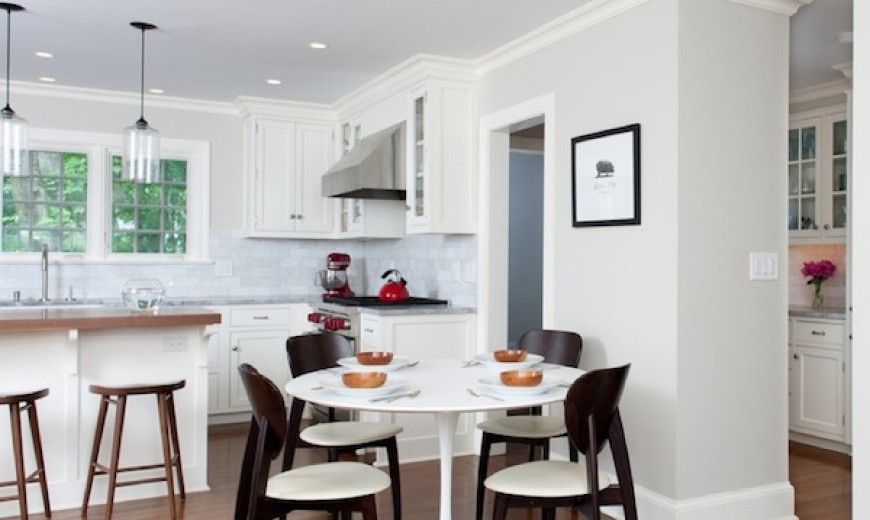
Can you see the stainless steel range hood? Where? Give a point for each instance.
(374, 169)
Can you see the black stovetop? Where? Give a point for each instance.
(374, 301)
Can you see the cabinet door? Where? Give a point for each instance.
(314, 156)
(803, 177)
(275, 183)
(264, 350)
(817, 392)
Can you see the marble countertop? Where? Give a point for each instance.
(828, 313)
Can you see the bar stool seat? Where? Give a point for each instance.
(117, 395)
(19, 403)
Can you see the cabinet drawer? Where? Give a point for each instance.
(818, 333)
(265, 316)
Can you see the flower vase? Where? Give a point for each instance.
(818, 297)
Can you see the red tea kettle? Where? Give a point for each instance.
(394, 290)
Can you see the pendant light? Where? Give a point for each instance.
(14, 159)
(141, 161)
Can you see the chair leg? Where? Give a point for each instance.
(499, 508)
(95, 450)
(369, 508)
(18, 452)
(120, 410)
(38, 456)
(176, 455)
(167, 452)
(395, 482)
(619, 449)
(482, 468)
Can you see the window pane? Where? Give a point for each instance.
(808, 178)
(793, 179)
(48, 164)
(808, 213)
(155, 213)
(839, 175)
(16, 188)
(839, 211)
(75, 190)
(808, 143)
(792, 213)
(793, 145)
(15, 240)
(74, 241)
(75, 165)
(839, 138)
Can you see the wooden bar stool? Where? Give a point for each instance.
(117, 395)
(19, 403)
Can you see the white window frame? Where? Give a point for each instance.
(99, 149)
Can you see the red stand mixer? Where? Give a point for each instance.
(334, 277)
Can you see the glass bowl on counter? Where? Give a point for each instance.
(143, 294)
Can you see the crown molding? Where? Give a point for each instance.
(121, 98)
(418, 68)
(590, 14)
(821, 91)
(245, 106)
(787, 7)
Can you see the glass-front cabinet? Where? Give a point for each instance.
(818, 176)
(351, 209)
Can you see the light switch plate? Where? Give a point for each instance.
(763, 266)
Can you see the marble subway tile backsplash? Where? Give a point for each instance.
(435, 266)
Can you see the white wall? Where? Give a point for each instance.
(860, 248)
(706, 400)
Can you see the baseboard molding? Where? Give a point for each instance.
(818, 442)
(772, 502)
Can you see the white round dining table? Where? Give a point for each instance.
(443, 386)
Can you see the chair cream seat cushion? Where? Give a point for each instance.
(346, 433)
(544, 478)
(327, 481)
(529, 426)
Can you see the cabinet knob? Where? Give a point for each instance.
(827, 226)
(818, 333)
(298, 217)
(795, 356)
(236, 348)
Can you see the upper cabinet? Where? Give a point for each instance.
(818, 176)
(285, 160)
(442, 180)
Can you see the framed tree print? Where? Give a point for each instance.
(605, 177)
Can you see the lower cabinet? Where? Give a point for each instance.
(817, 367)
(420, 337)
(253, 334)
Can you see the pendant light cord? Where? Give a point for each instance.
(8, 43)
(142, 80)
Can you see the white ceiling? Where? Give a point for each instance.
(220, 49)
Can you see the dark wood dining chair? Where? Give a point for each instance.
(311, 352)
(532, 429)
(331, 486)
(593, 420)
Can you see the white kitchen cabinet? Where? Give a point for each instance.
(253, 334)
(441, 175)
(818, 175)
(817, 387)
(285, 161)
(449, 336)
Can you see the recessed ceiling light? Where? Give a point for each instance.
(156, 90)
(47, 79)
(273, 81)
(317, 45)
(44, 54)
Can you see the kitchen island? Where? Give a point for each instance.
(66, 350)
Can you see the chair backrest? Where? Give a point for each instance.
(310, 352)
(266, 438)
(561, 347)
(594, 398)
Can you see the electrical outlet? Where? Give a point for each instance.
(174, 344)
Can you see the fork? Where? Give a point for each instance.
(478, 394)
(391, 398)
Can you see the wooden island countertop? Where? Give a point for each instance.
(26, 319)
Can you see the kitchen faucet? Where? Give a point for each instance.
(44, 298)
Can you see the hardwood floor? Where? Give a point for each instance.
(822, 481)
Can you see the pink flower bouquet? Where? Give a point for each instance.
(818, 273)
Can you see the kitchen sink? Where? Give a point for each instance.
(52, 304)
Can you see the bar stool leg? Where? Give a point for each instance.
(173, 429)
(18, 449)
(95, 450)
(120, 409)
(167, 455)
(40, 460)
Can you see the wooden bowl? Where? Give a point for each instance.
(513, 355)
(363, 379)
(522, 377)
(374, 358)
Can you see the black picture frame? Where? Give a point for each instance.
(605, 177)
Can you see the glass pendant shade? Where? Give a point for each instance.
(14, 158)
(141, 161)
